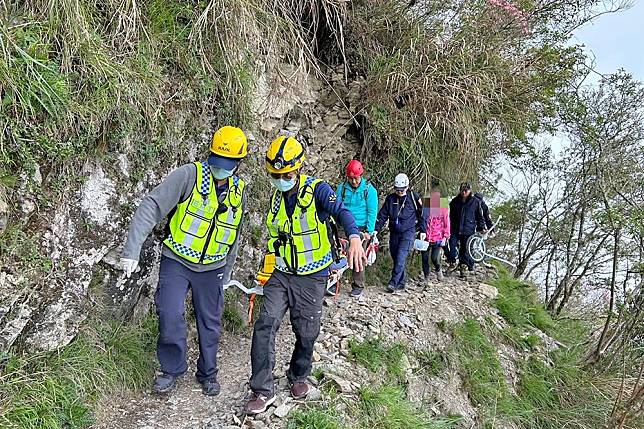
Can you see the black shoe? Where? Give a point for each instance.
(163, 383)
(356, 292)
(210, 387)
(391, 288)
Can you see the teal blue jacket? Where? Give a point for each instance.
(362, 202)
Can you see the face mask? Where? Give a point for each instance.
(283, 185)
(220, 173)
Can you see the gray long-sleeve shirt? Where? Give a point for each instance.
(177, 187)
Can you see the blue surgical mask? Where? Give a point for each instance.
(283, 185)
(220, 173)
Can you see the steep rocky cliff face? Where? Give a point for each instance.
(81, 236)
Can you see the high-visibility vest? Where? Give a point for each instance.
(301, 242)
(202, 228)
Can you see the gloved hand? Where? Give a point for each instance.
(129, 266)
(422, 236)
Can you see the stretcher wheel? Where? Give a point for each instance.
(475, 248)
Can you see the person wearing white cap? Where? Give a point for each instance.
(403, 211)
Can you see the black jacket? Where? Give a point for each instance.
(487, 218)
(465, 217)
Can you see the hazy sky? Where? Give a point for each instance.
(617, 41)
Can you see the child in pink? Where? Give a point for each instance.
(438, 232)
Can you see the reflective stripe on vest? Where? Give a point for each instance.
(303, 231)
(202, 230)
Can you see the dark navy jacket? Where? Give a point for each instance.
(405, 214)
(465, 217)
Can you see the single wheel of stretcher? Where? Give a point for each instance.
(476, 248)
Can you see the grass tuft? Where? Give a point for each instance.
(231, 318)
(482, 373)
(57, 390)
(518, 304)
(431, 362)
(375, 355)
(386, 407)
(313, 419)
(552, 391)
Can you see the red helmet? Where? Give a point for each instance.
(354, 168)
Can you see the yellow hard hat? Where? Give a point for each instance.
(229, 142)
(284, 154)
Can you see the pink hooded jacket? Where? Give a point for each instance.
(438, 226)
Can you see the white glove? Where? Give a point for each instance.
(422, 236)
(128, 266)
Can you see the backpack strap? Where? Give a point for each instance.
(366, 188)
(413, 199)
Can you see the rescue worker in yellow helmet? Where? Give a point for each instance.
(298, 237)
(205, 203)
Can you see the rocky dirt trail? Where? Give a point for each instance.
(413, 317)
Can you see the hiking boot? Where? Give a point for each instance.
(391, 288)
(439, 275)
(300, 389)
(258, 403)
(163, 383)
(461, 269)
(356, 292)
(210, 387)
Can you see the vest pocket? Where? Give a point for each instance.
(309, 241)
(195, 225)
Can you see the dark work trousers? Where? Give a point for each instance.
(208, 302)
(463, 256)
(435, 252)
(452, 248)
(302, 296)
(400, 244)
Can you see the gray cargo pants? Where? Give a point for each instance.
(302, 296)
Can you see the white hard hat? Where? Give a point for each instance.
(401, 181)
